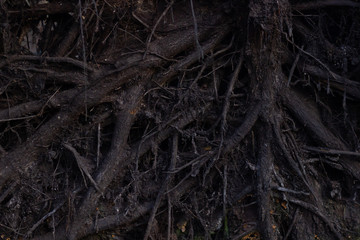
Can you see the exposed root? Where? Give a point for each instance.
(179, 119)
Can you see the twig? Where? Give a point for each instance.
(229, 92)
(207, 63)
(193, 57)
(283, 189)
(139, 19)
(294, 66)
(83, 57)
(84, 168)
(155, 26)
(204, 66)
(299, 170)
(13, 230)
(334, 75)
(331, 151)
(198, 46)
(164, 186)
(204, 224)
(294, 220)
(97, 16)
(98, 145)
(132, 35)
(316, 211)
(225, 182)
(8, 191)
(51, 97)
(109, 34)
(351, 87)
(225, 112)
(143, 138)
(18, 118)
(180, 182)
(44, 218)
